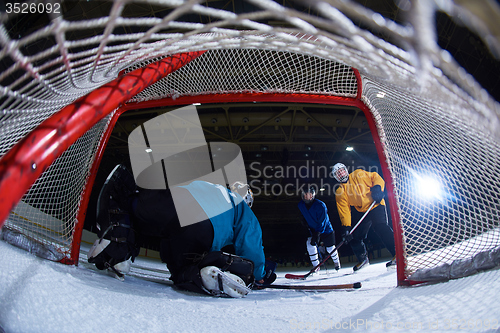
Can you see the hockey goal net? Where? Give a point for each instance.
(65, 82)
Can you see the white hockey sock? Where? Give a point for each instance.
(313, 252)
(334, 256)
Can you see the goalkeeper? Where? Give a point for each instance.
(358, 190)
(125, 209)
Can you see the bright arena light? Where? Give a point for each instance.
(428, 188)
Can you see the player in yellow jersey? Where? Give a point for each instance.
(354, 196)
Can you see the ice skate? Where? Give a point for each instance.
(391, 264)
(365, 262)
(336, 266)
(336, 261)
(112, 273)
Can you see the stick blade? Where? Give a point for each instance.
(295, 277)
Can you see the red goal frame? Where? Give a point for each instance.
(26, 161)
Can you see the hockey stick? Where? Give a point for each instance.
(355, 285)
(303, 277)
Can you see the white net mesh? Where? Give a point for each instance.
(432, 117)
(239, 71)
(48, 212)
(426, 140)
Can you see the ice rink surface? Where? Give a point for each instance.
(38, 295)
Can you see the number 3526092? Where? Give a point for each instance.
(32, 8)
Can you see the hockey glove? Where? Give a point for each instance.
(315, 238)
(377, 194)
(268, 279)
(270, 276)
(346, 234)
(270, 266)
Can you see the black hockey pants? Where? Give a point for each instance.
(376, 218)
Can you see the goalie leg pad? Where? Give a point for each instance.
(223, 284)
(230, 263)
(114, 222)
(115, 200)
(231, 268)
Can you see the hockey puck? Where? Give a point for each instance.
(356, 285)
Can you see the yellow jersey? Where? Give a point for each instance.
(356, 192)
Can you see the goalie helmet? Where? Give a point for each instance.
(245, 192)
(340, 173)
(308, 199)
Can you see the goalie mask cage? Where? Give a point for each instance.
(429, 119)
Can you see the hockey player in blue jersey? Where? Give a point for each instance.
(184, 249)
(315, 216)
